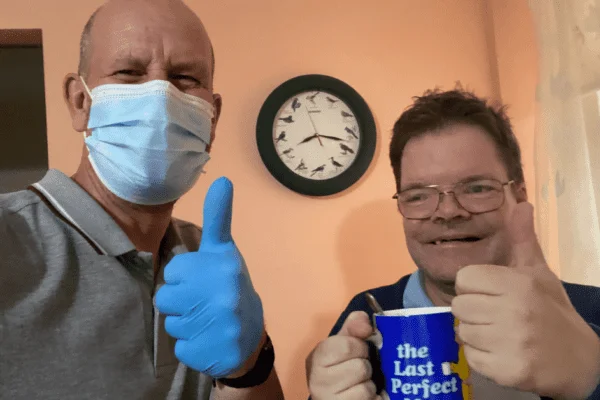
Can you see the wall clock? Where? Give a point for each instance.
(316, 135)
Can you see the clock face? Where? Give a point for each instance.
(316, 135)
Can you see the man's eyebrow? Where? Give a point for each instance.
(470, 178)
(414, 185)
(477, 177)
(129, 61)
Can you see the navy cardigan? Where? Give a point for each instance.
(585, 299)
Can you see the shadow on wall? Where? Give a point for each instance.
(371, 247)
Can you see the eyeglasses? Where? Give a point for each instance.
(476, 197)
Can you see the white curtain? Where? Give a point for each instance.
(567, 137)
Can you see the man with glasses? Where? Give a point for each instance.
(469, 229)
(475, 196)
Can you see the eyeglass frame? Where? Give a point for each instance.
(447, 192)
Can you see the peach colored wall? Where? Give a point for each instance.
(516, 55)
(307, 256)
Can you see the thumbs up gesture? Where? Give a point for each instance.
(212, 308)
(518, 325)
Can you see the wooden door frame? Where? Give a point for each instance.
(20, 38)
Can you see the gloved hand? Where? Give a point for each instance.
(208, 297)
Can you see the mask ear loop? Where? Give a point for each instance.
(87, 89)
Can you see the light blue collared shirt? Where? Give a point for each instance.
(414, 294)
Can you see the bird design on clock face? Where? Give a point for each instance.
(316, 135)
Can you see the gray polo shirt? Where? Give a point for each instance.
(76, 302)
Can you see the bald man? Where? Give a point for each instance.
(103, 294)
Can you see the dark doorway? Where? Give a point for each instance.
(23, 136)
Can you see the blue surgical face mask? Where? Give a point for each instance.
(148, 141)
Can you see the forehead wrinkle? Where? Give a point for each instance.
(135, 28)
(421, 163)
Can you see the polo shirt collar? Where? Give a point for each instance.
(83, 211)
(414, 293)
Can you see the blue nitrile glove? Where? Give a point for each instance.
(208, 297)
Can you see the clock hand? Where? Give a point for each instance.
(332, 138)
(314, 127)
(308, 139)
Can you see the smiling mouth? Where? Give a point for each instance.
(468, 239)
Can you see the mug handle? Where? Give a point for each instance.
(377, 340)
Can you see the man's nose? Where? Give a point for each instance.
(157, 73)
(449, 207)
(162, 73)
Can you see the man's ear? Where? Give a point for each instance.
(77, 101)
(218, 104)
(520, 191)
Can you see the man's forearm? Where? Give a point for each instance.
(269, 390)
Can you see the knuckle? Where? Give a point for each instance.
(228, 271)
(351, 348)
(365, 370)
(460, 275)
(180, 351)
(462, 331)
(468, 271)
(366, 390)
(334, 350)
(458, 304)
(321, 352)
(159, 298)
(315, 386)
(228, 299)
(320, 384)
(474, 362)
(338, 346)
(233, 361)
(171, 325)
(232, 332)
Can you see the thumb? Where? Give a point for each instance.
(526, 250)
(218, 205)
(357, 325)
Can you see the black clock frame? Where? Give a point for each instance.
(266, 144)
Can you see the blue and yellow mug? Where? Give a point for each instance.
(420, 357)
